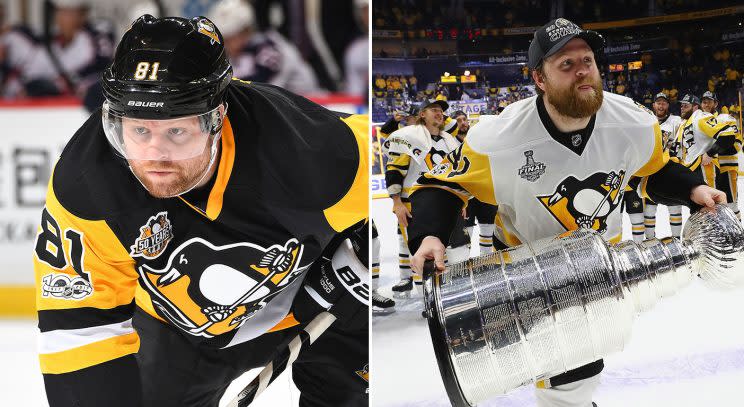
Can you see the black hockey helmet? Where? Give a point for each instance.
(166, 68)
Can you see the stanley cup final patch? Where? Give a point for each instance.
(532, 170)
(153, 238)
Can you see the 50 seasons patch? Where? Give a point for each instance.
(154, 237)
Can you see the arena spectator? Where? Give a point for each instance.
(260, 56)
(17, 49)
(74, 57)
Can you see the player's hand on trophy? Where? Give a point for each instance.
(707, 159)
(401, 212)
(706, 196)
(431, 249)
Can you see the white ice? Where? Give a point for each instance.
(687, 351)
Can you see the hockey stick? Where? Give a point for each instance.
(285, 359)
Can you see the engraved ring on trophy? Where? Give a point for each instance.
(533, 311)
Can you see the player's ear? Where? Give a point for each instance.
(538, 78)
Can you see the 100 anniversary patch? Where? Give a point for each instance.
(154, 237)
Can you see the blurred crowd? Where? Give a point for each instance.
(433, 14)
(310, 52)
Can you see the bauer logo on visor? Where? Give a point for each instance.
(137, 103)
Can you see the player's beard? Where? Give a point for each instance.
(570, 103)
(185, 174)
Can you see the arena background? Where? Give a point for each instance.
(684, 352)
(35, 129)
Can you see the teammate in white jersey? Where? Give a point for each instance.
(412, 151)
(554, 162)
(669, 124)
(724, 157)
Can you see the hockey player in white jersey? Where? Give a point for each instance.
(669, 124)
(412, 151)
(554, 162)
(724, 155)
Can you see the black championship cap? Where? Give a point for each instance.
(661, 95)
(709, 95)
(441, 103)
(551, 37)
(691, 99)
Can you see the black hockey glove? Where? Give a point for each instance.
(338, 285)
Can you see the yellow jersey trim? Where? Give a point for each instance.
(354, 206)
(89, 355)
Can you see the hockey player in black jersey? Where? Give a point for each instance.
(193, 226)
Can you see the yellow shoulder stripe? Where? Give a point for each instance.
(659, 156)
(354, 206)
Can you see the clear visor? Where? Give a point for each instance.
(161, 140)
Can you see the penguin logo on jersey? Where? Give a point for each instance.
(207, 290)
(433, 158)
(585, 203)
(154, 237)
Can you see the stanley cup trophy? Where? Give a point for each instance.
(533, 311)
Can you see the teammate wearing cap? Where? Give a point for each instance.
(188, 229)
(554, 162)
(412, 151)
(723, 156)
(700, 137)
(669, 125)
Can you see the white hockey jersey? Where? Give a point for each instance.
(412, 151)
(669, 128)
(543, 187)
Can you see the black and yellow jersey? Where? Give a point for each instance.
(221, 264)
(703, 133)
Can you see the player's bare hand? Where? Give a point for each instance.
(707, 159)
(464, 212)
(431, 249)
(402, 213)
(398, 116)
(707, 196)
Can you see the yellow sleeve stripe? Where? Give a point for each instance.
(60, 340)
(89, 355)
(354, 206)
(659, 156)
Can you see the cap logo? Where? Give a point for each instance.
(561, 28)
(206, 28)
